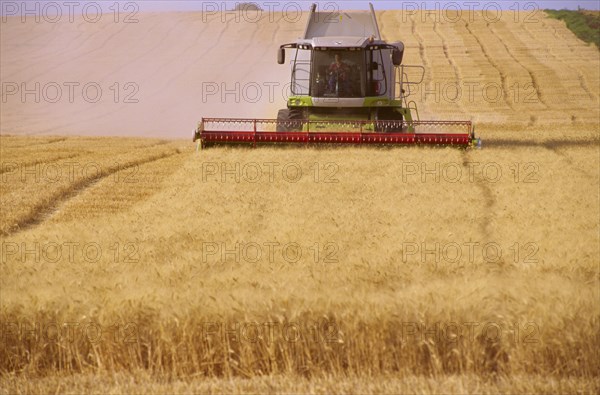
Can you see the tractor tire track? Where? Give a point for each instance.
(556, 34)
(534, 80)
(35, 162)
(566, 43)
(63, 126)
(57, 140)
(451, 62)
(420, 40)
(557, 146)
(42, 212)
(567, 158)
(488, 199)
(550, 144)
(215, 44)
(55, 36)
(80, 56)
(427, 77)
(252, 40)
(70, 156)
(275, 33)
(153, 48)
(157, 144)
(262, 27)
(494, 65)
(66, 51)
(582, 81)
(381, 25)
(25, 44)
(34, 38)
(186, 49)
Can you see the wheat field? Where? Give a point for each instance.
(133, 264)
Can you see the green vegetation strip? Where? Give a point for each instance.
(585, 24)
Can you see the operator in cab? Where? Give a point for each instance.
(338, 75)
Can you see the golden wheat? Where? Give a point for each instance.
(321, 270)
(367, 303)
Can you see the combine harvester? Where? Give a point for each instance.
(348, 86)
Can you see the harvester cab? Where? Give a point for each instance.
(341, 69)
(348, 86)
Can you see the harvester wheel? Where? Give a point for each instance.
(289, 120)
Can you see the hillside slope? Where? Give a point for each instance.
(148, 78)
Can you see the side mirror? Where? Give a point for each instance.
(374, 66)
(281, 56)
(398, 54)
